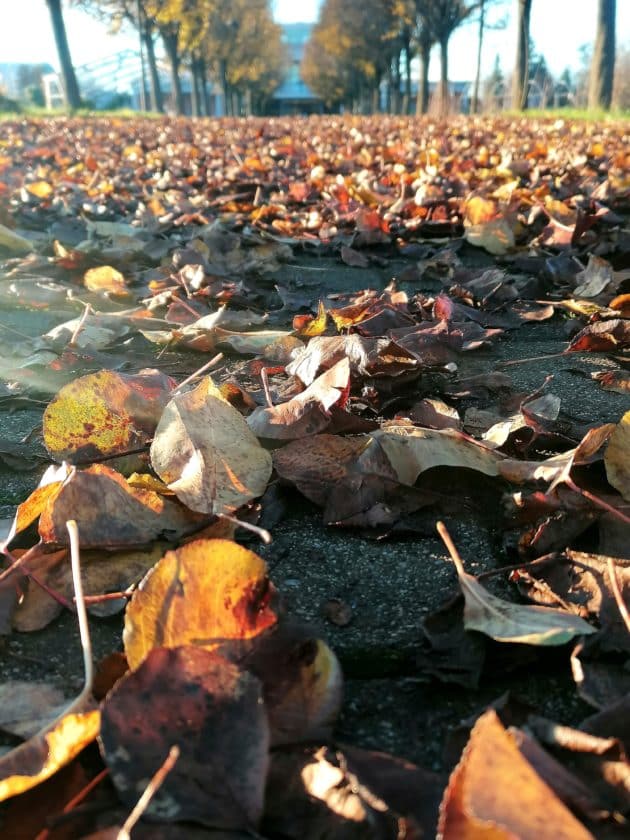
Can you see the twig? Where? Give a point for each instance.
(596, 500)
(265, 384)
(213, 361)
(264, 535)
(614, 585)
(80, 326)
(76, 800)
(450, 545)
(84, 629)
(56, 596)
(17, 562)
(109, 596)
(149, 792)
(533, 359)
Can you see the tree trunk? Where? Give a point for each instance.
(444, 93)
(70, 84)
(603, 64)
(482, 21)
(195, 99)
(155, 88)
(407, 96)
(422, 99)
(205, 95)
(170, 45)
(521, 68)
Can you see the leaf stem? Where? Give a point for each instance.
(450, 545)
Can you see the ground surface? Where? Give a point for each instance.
(389, 585)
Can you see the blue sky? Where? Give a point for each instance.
(558, 27)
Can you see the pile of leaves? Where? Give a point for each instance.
(188, 393)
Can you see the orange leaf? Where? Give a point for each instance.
(105, 278)
(495, 794)
(227, 596)
(42, 755)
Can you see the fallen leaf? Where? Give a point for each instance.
(104, 414)
(112, 514)
(308, 413)
(507, 622)
(617, 457)
(41, 756)
(203, 593)
(495, 794)
(195, 700)
(206, 454)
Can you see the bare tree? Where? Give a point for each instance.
(70, 84)
(602, 73)
(520, 77)
(482, 27)
(443, 18)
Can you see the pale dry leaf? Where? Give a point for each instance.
(206, 454)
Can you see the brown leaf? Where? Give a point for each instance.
(211, 710)
(112, 514)
(308, 413)
(494, 793)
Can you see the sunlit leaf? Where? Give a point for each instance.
(206, 454)
(202, 593)
(495, 794)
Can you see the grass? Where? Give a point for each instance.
(128, 113)
(572, 114)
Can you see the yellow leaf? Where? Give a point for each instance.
(617, 457)
(105, 278)
(201, 594)
(42, 755)
(40, 189)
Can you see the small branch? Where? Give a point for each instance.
(532, 359)
(80, 326)
(213, 361)
(262, 533)
(76, 800)
(450, 545)
(265, 384)
(149, 792)
(108, 596)
(614, 585)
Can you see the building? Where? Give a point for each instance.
(294, 96)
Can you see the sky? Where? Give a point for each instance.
(558, 27)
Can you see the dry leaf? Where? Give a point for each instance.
(201, 594)
(495, 794)
(206, 454)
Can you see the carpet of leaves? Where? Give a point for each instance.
(187, 395)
